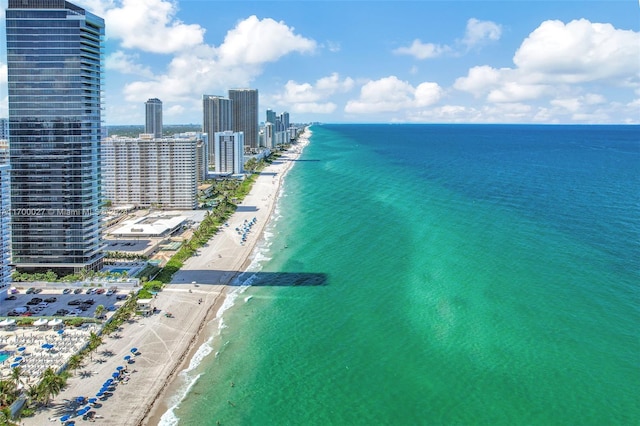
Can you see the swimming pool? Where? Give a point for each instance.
(4, 355)
(119, 270)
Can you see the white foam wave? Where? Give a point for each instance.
(169, 418)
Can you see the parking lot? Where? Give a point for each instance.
(62, 302)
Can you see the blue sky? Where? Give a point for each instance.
(375, 61)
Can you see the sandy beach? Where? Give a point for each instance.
(164, 344)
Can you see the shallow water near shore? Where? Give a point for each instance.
(439, 274)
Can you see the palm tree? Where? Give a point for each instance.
(16, 376)
(99, 311)
(51, 385)
(74, 362)
(5, 417)
(7, 392)
(94, 340)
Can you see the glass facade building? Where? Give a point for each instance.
(217, 116)
(5, 225)
(55, 63)
(245, 115)
(153, 117)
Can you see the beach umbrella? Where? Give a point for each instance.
(99, 394)
(47, 346)
(119, 368)
(108, 381)
(40, 322)
(134, 350)
(127, 357)
(15, 364)
(115, 375)
(54, 322)
(93, 400)
(22, 349)
(65, 418)
(61, 331)
(80, 399)
(18, 359)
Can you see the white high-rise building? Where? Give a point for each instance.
(147, 172)
(229, 158)
(5, 225)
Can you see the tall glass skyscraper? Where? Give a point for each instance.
(5, 225)
(153, 117)
(55, 63)
(217, 116)
(245, 115)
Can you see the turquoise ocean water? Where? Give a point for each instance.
(438, 275)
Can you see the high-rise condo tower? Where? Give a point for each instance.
(153, 117)
(217, 117)
(54, 63)
(245, 115)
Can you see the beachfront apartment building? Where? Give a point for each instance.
(229, 158)
(153, 117)
(5, 225)
(217, 116)
(245, 116)
(54, 79)
(150, 172)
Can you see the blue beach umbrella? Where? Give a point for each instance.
(93, 400)
(80, 399)
(47, 346)
(134, 350)
(18, 359)
(22, 349)
(115, 375)
(65, 418)
(119, 368)
(99, 394)
(61, 331)
(127, 357)
(15, 364)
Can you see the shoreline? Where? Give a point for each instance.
(168, 344)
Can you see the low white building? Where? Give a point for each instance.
(148, 172)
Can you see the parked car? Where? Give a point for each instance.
(100, 291)
(66, 291)
(121, 296)
(51, 299)
(88, 302)
(12, 314)
(77, 291)
(34, 301)
(12, 297)
(30, 290)
(75, 302)
(110, 292)
(37, 291)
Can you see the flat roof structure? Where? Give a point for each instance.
(149, 226)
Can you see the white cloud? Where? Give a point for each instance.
(579, 51)
(420, 50)
(555, 58)
(390, 94)
(127, 64)
(479, 32)
(236, 62)
(313, 98)
(150, 25)
(254, 42)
